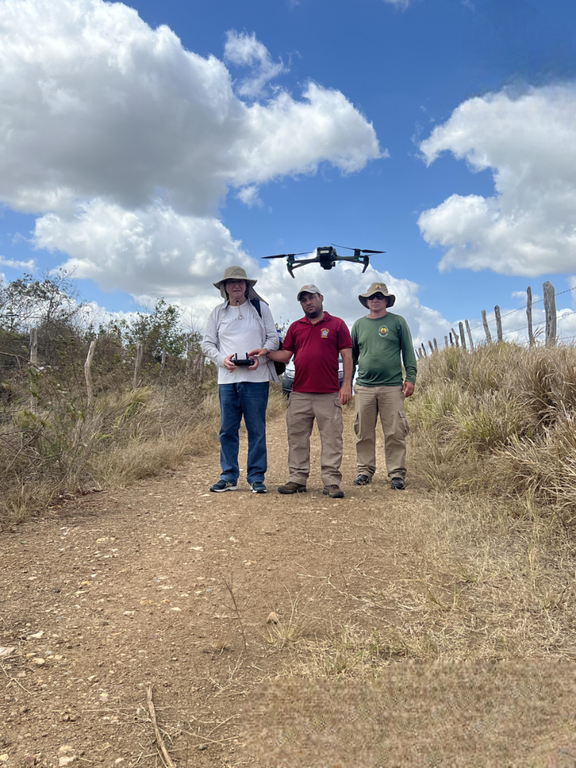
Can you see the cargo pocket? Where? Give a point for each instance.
(403, 424)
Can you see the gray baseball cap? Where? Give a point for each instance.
(308, 289)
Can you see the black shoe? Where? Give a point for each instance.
(361, 480)
(223, 485)
(258, 488)
(333, 491)
(397, 484)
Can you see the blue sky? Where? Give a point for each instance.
(149, 145)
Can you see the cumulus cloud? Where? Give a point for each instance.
(95, 103)
(528, 142)
(25, 266)
(246, 51)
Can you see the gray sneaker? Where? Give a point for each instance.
(361, 480)
(397, 484)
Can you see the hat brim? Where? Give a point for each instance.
(390, 303)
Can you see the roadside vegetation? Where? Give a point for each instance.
(52, 443)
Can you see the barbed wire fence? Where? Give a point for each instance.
(462, 337)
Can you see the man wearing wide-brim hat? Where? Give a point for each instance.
(243, 322)
(381, 342)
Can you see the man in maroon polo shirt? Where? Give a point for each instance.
(316, 341)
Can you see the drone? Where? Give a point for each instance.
(326, 256)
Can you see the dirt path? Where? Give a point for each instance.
(167, 585)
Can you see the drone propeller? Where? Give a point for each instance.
(362, 250)
(284, 255)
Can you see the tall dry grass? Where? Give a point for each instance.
(499, 419)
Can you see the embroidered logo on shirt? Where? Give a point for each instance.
(383, 331)
(324, 333)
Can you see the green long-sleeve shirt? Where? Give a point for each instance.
(379, 346)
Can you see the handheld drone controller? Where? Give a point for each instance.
(241, 360)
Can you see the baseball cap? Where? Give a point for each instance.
(307, 289)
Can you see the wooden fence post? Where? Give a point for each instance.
(435, 345)
(456, 339)
(498, 323)
(529, 316)
(34, 347)
(424, 350)
(550, 311)
(431, 347)
(451, 339)
(418, 355)
(469, 334)
(88, 373)
(445, 341)
(486, 329)
(33, 361)
(137, 365)
(462, 336)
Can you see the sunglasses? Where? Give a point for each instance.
(378, 296)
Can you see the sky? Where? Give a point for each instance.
(146, 146)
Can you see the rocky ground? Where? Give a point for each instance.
(245, 616)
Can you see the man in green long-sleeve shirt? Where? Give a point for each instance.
(381, 341)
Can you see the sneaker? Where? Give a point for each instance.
(292, 488)
(258, 488)
(223, 485)
(333, 491)
(397, 484)
(361, 480)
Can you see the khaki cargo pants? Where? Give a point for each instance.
(303, 408)
(388, 403)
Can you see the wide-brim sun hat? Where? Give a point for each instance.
(237, 273)
(377, 288)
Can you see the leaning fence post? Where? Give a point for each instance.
(88, 373)
(498, 323)
(456, 339)
(137, 365)
(462, 337)
(435, 345)
(423, 350)
(469, 334)
(550, 311)
(418, 355)
(529, 316)
(431, 347)
(451, 339)
(486, 329)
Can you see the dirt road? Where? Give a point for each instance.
(255, 619)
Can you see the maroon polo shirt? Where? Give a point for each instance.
(316, 348)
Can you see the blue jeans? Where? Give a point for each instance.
(248, 400)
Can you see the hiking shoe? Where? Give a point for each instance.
(361, 480)
(333, 491)
(292, 488)
(223, 485)
(258, 488)
(397, 484)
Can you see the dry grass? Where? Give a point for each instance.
(58, 450)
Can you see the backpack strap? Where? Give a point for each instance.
(256, 304)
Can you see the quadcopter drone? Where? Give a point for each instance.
(326, 256)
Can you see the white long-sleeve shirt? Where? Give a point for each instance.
(240, 329)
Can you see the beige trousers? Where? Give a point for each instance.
(388, 403)
(303, 408)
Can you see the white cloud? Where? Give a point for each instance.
(245, 51)
(399, 3)
(95, 103)
(528, 142)
(26, 266)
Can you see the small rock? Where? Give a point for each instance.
(202, 747)
(38, 661)
(4, 758)
(62, 761)
(6, 651)
(36, 635)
